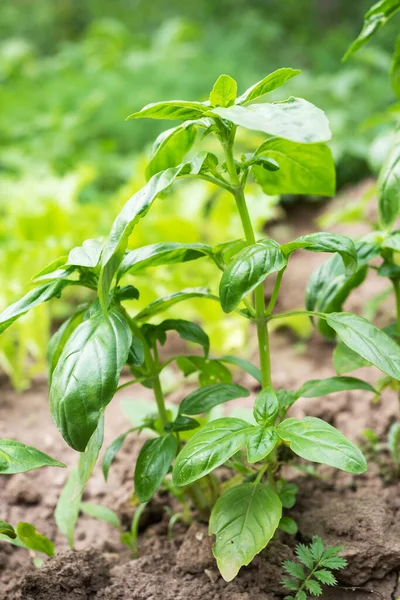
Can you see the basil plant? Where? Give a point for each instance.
(89, 351)
(379, 250)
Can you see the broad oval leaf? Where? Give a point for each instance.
(303, 169)
(16, 457)
(317, 441)
(266, 406)
(162, 304)
(153, 463)
(392, 241)
(243, 364)
(346, 360)
(209, 448)
(187, 330)
(87, 374)
(60, 338)
(368, 341)
(7, 529)
(260, 442)
(374, 19)
(87, 255)
(113, 450)
(133, 210)
(395, 69)
(244, 519)
(205, 398)
(171, 147)
(248, 269)
(268, 84)
(389, 188)
(321, 387)
(329, 286)
(171, 109)
(34, 540)
(224, 91)
(294, 119)
(327, 242)
(31, 300)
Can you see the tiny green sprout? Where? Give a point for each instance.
(186, 443)
(312, 570)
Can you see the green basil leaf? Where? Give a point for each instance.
(182, 423)
(317, 441)
(267, 164)
(171, 109)
(100, 512)
(224, 252)
(393, 441)
(329, 286)
(368, 341)
(31, 300)
(210, 370)
(266, 406)
(260, 442)
(68, 506)
(224, 91)
(16, 457)
(136, 353)
(268, 84)
(88, 459)
(321, 387)
(34, 540)
(171, 147)
(392, 241)
(60, 338)
(7, 529)
(243, 519)
(243, 364)
(209, 448)
(288, 525)
(346, 360)
(388, 188)
(162, 304)
(78, 396)
(164, 253)
(153, 463)
(374, 19)
(87, 255)
(187, 330)
(112, 451)
(303, 169)
(287, 493)
(133, 210)
(294, 119)
(327, 242)
(249, 268)
(395, 69)
(205, 398)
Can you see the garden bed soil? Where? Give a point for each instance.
(361, 513)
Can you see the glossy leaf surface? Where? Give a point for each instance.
(244, 519)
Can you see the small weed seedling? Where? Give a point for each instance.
(88, 352)
(313, 569)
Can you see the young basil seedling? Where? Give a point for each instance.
(88, 353)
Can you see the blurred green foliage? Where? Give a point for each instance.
(70, 73)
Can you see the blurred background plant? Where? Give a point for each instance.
(71, 72)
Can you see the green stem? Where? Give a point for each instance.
(152, 366)
(396, 285)
(275, 293)
(259, 301)
(260, 474)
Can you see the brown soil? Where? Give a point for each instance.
(361, 513)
